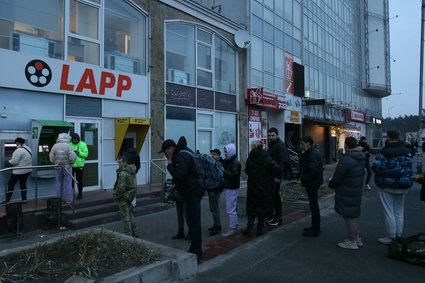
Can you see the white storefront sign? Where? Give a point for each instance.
(23, 71)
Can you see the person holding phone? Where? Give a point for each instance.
(81, 151)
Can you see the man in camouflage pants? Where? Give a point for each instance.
(124, 193)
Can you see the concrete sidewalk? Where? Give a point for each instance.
(283, 255)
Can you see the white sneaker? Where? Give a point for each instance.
(359, 242)
(367, 187)
(229, 232)
(348, 245)
(385, 240)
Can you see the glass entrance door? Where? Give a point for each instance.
(89, 130)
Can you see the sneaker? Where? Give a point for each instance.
(359, 242)
(385, 240)
(229, 232)
(269, 219)
(214, 227)
(348, 245)
(275, 222)
(367, 187)
(311, 233)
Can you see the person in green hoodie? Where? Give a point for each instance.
(81, 150)
(124, 193)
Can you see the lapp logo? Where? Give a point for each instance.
(38, 73)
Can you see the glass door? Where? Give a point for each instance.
(205, 125)
(89, 130)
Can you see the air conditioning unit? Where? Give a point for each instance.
(178, 76)
(223, 86)
(31, 44)
(122, 63)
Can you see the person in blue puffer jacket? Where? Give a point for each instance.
(393, 176)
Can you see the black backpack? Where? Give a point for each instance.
(410, 249)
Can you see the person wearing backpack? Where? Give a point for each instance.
(181, 166)
(393, 176)
(214, 198)
(232, 175)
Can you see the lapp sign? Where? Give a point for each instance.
(43, 74)
(88, 82)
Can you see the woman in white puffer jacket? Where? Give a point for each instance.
(63, 154)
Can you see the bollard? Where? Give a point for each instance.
(14, 217)
(54, 211)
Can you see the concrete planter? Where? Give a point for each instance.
(174, 265)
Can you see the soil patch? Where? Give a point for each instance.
(92, 254)
(293, 191)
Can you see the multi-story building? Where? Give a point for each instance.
(331, 56)
(118, 72)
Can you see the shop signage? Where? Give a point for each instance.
(180, 95)
(289, 73)
(205, 98)
(257, 96)
(356, 116)
(292, 117)
(24, 71)
(254, 121)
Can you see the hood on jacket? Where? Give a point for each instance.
(356, 154)
(129, 168)
(231, 150)
(181, 144)
(354, 149)
(63, 138)
(258, 155)
(75, 136)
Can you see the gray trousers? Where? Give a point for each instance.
(393, 212)
(214, 200)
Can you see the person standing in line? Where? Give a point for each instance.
(124, 193)
(63, 154)
(21, 157)
(347, 181)
(182, 168)
(261, 170)
(232, 175)
(133, 157)
(278, 151)
(81, 151)
(393, 176)
(311, 178)
(214, 199)
(366, 151)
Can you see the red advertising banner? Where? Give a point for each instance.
(289, 73)
(254, 118)
(356, 116)
(257, 96)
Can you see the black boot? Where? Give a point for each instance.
(215, 231)
(248, 231)
(179, 235)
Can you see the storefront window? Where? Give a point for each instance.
(83, 51)
(225, 67)
(225, 129)
(32, 27)
(125, 38)
(180, 58)
(181, 122)
(83, 19)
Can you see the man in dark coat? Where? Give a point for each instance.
(182, 167)
(261, 170)
(311, 178)
(366, 151)
(348, 182)
(278, 151)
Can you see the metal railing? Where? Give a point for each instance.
(163, 171)
(5, 170)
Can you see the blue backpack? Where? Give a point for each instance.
(210, 171)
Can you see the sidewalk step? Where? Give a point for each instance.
(112, 216)
(106, 207)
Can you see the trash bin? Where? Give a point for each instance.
(54, 211)
(14, 217)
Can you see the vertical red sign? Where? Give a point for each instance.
(289, 73)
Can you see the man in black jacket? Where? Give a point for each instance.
(182, 167)
(278, 151)
(366, 151)
(311, 178)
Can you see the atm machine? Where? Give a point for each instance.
(44, 135)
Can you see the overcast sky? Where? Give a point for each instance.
(405, 50)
